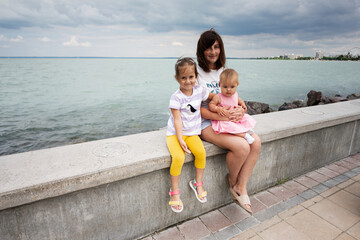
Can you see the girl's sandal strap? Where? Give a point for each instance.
(204, 194)
(177, 192)
(198, 184)
(175, 203)
(195, 184)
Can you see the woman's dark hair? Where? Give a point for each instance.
(206, 40)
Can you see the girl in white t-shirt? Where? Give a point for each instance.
(184, 128)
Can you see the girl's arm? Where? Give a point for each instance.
(178, 129)
(213, 106)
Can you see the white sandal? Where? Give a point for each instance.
(193, 184)
(175, 203)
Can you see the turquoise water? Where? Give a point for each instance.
(47, 102)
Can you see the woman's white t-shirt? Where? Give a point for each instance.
(209, 80)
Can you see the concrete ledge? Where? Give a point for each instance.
(44, 183)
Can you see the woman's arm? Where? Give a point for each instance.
(178, 129)
(231, 115)
(207, 114)
(211, 95)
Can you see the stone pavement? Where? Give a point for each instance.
(322, 204)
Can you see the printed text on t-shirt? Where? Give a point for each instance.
(213, 87)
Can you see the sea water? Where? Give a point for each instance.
(48, 102)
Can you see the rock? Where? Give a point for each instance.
(250, 111)
(337, 99)
(257, 108)
(325, 100)
(314, 98)
(299, 103)
(353, 96)
(287, 106)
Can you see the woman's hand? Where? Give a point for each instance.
(230, 114)
(236, 114)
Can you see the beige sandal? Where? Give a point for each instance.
(242, 200)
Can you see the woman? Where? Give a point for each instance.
(241, 157)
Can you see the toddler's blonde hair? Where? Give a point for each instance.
(229, 74)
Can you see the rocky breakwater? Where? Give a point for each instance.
(313, 98)
(317, 98)
(257, 108)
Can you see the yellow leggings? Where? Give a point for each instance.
(196, 147)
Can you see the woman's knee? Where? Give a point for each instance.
(208, 135)
(238, 150)
(256, 145)
(242, 149)
(235, 144)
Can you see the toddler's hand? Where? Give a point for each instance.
(221, 111)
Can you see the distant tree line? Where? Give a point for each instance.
(342, 58)
(335, 58)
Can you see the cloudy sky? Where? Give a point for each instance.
(165, 28)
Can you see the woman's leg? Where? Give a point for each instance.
(248, 166)
(238, 148)
(240, 159)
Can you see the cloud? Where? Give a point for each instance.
(45, 39)
(17, 39)
(3, 38)
(162, 27)
(73, 42)
(178, 44)
(305, 18)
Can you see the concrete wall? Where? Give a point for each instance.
(118, 188)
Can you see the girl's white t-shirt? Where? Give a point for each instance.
(189, 107)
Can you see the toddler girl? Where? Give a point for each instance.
(183, 128)
(227, 99)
